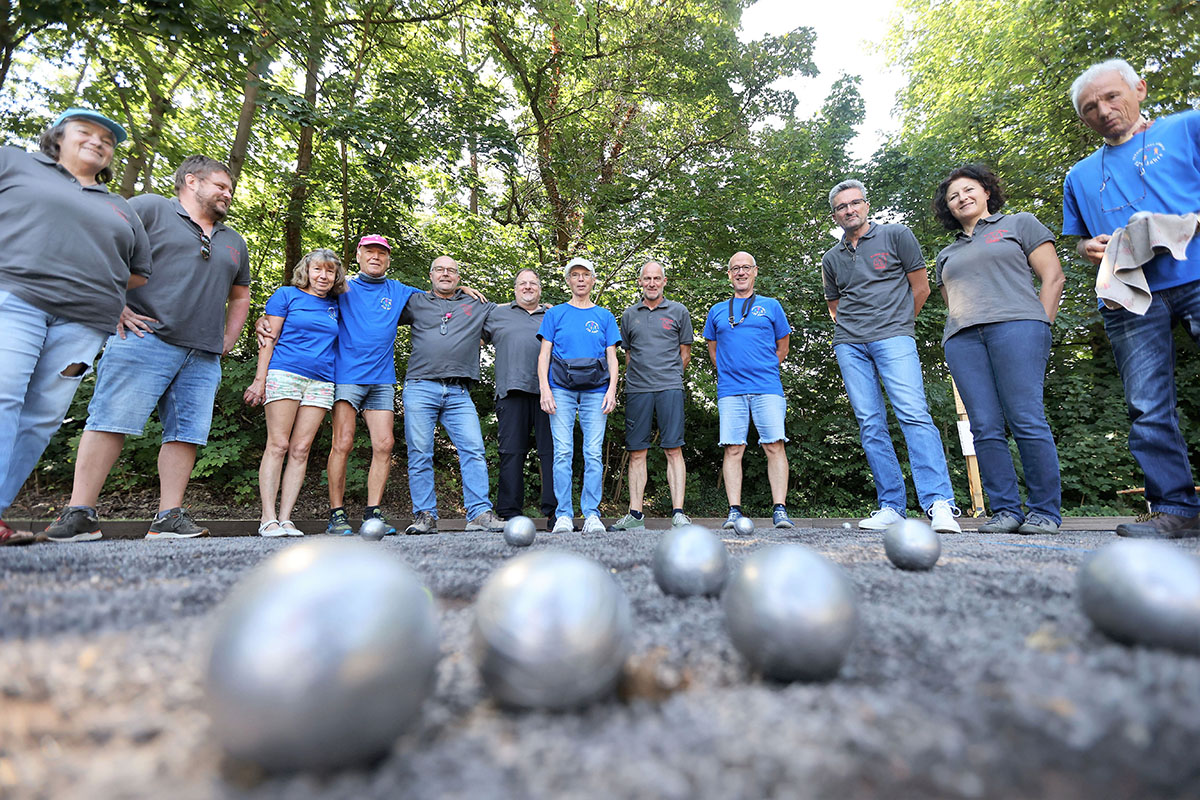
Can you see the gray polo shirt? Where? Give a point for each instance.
(66, 249)
(513, 332)
(870, 283)
(453, 354)
(652, 337)
(987, 276)
(188, 293)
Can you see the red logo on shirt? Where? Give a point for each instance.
(991, 237)
(668, 324)
(466, 309)
(120, 213)
(880, 260)
(234, 255)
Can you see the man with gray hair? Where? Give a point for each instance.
(875, 285)
(1146, 171)
(657, 336)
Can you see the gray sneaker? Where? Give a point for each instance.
(679, 519)
(487, 521)
(75, 524)
(1038, 523)
(175, 524)
(1001, 522)
(628, 523)
(424, 523)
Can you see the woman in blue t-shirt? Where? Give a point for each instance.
(577, 374)
(294, 381)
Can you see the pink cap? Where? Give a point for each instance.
(374, 238)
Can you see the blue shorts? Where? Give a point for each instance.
(640, 410)
(767, 410)
(137, 374)
(367, 396)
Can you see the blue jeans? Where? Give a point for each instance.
(1000, 368)
(592, 420)
(894, 361)
(35, 350)
(1144, 348)
(426, 403)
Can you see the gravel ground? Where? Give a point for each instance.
(981, 679)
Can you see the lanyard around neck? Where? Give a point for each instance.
(747, 304)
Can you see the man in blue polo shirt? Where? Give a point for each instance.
(1143, 167)
(748, 338)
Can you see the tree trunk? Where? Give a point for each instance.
(293, 225)
(241, 140)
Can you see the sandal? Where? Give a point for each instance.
(263, 529)
(289, 528)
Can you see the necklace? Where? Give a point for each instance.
(747, 304)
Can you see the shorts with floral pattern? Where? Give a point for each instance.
(290, 386)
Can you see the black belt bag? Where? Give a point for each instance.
(579, 374)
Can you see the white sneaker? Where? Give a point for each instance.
(593, 524)
(942, 514)
(881, 519)
(564, 525)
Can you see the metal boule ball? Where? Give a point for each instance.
(743, 526)
(689, 561)
(520, 532)
(791, 612)
(373, 529)
(320, 658)
(552, 630)
(1143, 592)
(911, 544)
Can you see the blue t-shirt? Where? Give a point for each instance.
(1170, 152)
(369, 312)
(746, 360)
(579, 333)
(309, 331)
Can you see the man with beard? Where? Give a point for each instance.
(181, 323)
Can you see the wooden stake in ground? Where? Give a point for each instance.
(967, 443)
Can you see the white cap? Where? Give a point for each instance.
(578, 262)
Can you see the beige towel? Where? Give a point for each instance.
(1119, 280)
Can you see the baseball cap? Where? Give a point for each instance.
(578, 262)
(374, 238)
(95, 116)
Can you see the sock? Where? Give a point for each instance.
(675, 511)
(736, 508)
(779, 507)
(368, 511)
(636, 514)
(333, 511)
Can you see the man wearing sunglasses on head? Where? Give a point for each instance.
(748, 339)
(446, 325)
(1139, 194)
(167, 350)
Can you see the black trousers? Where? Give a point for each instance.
(519, 415)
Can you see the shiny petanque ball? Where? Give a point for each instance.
(690, 561)
(552, 631)
(320, 658)
(1143, 592)
(373, 530)
(791, 612)
(743, 526)
(520, 532)
(911, 544)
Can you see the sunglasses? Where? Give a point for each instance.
(205, 246)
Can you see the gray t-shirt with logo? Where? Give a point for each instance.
(870, 283)
(987, 276)
(652, 337)
(513, 332)
(188, 293)
(454, 353)
(65, 248)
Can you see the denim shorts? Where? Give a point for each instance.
(137, 374)
(290, 386)
(767, 410)
(367, 396)
(640, 410)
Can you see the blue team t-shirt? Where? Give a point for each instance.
(368, 313)
(746, 360)
(579, 333)
(306, 339)
(1169, 152)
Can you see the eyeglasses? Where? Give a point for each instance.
(839, 208)
(1104, 174)
(741, 268)
(205, 246)
(444, 270)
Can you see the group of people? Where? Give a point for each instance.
(162, 284)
